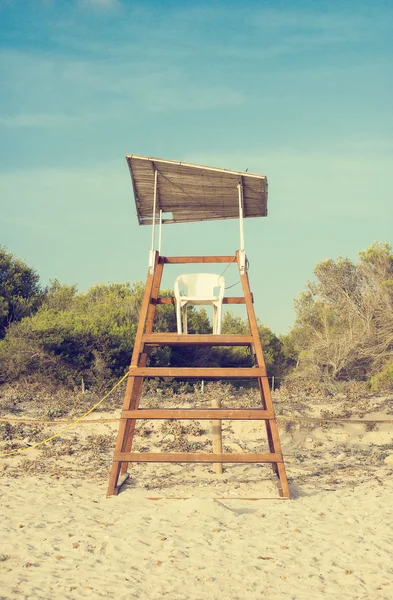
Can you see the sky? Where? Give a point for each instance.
(298, 91)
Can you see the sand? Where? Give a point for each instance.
(62, 538)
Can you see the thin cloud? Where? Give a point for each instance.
(83, 84)
(40, 120)
(309, 28)
(101, 4)
(55, 194)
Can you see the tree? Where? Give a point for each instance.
(73, 335)
(88, 335)
(344, 320)
(20, 291)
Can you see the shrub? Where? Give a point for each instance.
(382, 380)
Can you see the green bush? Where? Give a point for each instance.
(382, 380)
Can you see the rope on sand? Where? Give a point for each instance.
(116, 420)
(321, 420)
(72, 424)
(79, 421)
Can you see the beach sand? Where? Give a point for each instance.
(62, 538)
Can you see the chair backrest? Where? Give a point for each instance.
(200, 285)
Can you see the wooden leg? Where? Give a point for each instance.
(125, 433)
(130, 427)
(282, 476)
(268, 427)
(116, 465)
(133, 388)
(136, 392)
(271, 425)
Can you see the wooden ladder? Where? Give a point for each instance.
(145, 339)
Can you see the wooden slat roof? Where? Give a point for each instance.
(194, 192)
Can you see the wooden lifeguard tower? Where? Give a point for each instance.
(167, 191)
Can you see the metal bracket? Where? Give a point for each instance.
(152, 254)
(242, 261)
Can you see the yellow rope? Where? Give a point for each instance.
(57, 422)
(68, 426)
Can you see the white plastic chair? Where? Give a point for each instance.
(200, 289)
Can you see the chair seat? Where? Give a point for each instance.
(199, 300)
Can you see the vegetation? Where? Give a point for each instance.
(66, 338)
(383, 380)
(58, 337)
(344, 320)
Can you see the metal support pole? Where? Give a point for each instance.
(160, 234)
(153, 231)
(242, 254)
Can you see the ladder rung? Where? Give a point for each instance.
(228, 300)
(196, 457)
(200, 373)
(183, 260)
(175, 339)
(202, 414)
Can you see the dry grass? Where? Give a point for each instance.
(86, 451)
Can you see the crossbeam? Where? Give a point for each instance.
(206, 414)
(201, 373)
(186, 260)
(175, 339)
(196, 457)
(228, 300)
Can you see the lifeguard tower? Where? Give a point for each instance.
(167, 191)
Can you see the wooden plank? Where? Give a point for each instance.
(229, 300)
(202, 414)
(185, 260)
(271, 424)
(175, 339)
(134, 385)
(202, 373)
(196, 457)
(142, 358)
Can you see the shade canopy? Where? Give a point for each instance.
(187, 192)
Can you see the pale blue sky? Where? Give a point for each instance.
(301, 92)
